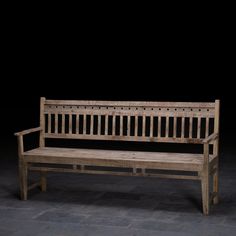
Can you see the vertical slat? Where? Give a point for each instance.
(84, 124)
(56, 123)
(128, 126)
(167, 126)
(151, 126)
(91, 124)
(182, 126)
(144, 126)
(49, 123)
(70, 124)
(159, 126)
(207, 127)
(42, 122)
(190, 127)
(62, 123)
(121, 125)
(20, 146)
(199, 120)
(77, 124)
(99, 124)
(136, 126)
(113, 125)
(175, 127)
(106, 124)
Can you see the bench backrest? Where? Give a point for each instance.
(181, 122)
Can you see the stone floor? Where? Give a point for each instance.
(109, 205)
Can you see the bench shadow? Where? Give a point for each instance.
(195, 202)
(188, 204)
(183, 199)
(132, 200)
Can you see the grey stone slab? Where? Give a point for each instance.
(97, 208)
(22, 227)
(223, 209)
(119, 195)
(40, 203)
(85, 230)
(165, 216)
(11, 213)
(80, 195)
(178, 207)
(142, 232)
(126, 203)
(60, 216)
(208, 229)
(156, 225)
(199, 218)
(107, 221)
(6, 232)
(230, 220)
(139, 213)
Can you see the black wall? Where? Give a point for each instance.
(114, 65)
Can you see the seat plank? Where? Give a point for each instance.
(119, 158)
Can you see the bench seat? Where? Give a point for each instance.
(117, 158)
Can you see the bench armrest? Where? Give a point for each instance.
(28, 131)
(21, 141)
(211, 138)
(206, 143)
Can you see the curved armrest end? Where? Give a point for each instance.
(28, 131)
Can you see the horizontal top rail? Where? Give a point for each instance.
(131, 103)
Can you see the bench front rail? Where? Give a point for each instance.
(171, 122)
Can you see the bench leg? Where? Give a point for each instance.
(216, 186)
(205, 192)
(43, 181)
(23, 177)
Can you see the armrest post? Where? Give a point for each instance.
(20, 142)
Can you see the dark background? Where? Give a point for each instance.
(115, 58)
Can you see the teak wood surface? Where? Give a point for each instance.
(170, 122)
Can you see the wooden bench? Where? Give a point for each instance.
(171, 122)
